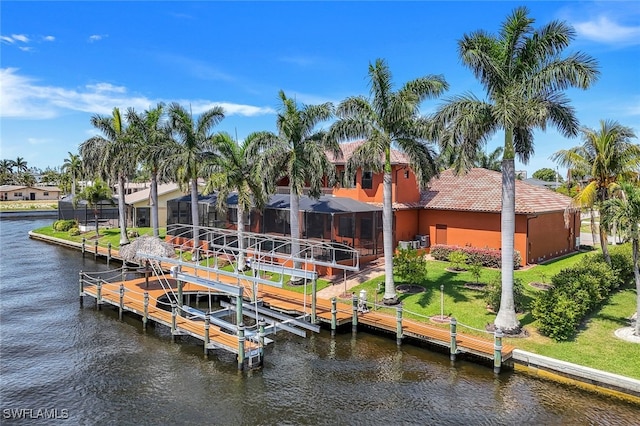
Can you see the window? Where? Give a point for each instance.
(366, 228)
(45, 194)
(346, 226)
(367, 180)
(17, 194)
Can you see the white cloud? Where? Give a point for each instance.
(39, 141)
(20, 37)
(303, 61)
(26, 48)
(604, 30)
(96, 37)
(7, 39)
(48, 38)
(23, 97)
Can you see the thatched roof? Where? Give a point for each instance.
(146, 244)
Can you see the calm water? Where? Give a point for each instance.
(88, 366)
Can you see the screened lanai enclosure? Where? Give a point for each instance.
(85, 215)
(329, 219)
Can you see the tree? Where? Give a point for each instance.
(111, 155)
(524, 74)
(236, 170)
(20, 165)
(623, 208)
(94, 195)
(297, 152)
(73, 167)
(389, 119)
(548, 175)
(192, 147)
(50, 177)
(152, 139)
(607, 154)
(490, 161)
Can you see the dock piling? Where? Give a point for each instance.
(95, 249)
(261, 333)
(334, 315)
(453, 350)
(108, 252)
(240, 346)
(207, 337)
(98, 295)
(497, 350)
(354, 322)
(84, 244)
(313, 302)
(121, 305)
(174, 314)
(145, 317)
(399, 324)
(81, 283)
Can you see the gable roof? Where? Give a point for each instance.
(481, 190)
(144, 194)
(9, 188)
(348, 148)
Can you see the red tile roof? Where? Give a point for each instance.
(481, 190)
(348, 148)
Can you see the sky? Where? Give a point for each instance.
(63, 62)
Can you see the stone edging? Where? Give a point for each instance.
(585, 377)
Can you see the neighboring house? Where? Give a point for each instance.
(539, 182)
(139, 207)
(33, 193)
(455, 210)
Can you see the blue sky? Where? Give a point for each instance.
(62, 62)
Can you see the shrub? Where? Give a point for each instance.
(132, 233)
(475, 269)
(494, 294)
(622, 263)
(489, 258)
(74, 231)
(64, 225)
(458, 260)
(410, 265)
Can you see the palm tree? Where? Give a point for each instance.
(237, 170)
(192, 146)
(152, 139)
(490, 161)
(94, 195)
(297, 152)
(20, 165)
(389, 119)
(524, 74)
(623, 208)
(73, 166)
(607, 154)
(113, 156)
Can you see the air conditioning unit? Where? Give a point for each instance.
(415, 244)
(424, 240)
(404, 245)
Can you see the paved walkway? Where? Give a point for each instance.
(339, 286)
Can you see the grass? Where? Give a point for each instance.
(106, 236)
(13, 206)
(594, 345)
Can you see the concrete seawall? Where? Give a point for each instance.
(43, 214)
(578, 375)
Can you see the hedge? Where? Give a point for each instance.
(489, 258)
(579, 290)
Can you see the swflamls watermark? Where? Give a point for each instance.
(35, 413)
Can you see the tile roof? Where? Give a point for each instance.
(348, 148)
(481, 190)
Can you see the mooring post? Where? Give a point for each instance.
(354, 307)
(453, 350)
(108, 252)
(81, 283)
(98, 295)
(240, 346)
(180, 284)
(146, 273)
(207, 321)
(334, 315)
(261, 325)
(399, 325)
(121, 306)
(145, 317)
(174, 314)
(497, 350)
(84, 243)
(313, 301)
(95, 249)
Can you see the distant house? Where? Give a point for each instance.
(32, 193)
(539, 182)
(139, 204)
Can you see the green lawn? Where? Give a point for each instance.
(106, 236)
(595, 345)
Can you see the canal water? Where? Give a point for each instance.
(62, 363)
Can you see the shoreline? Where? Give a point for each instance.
(599, 381)
(17, 214)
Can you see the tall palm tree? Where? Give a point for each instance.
(524, 74)
(389, 119)
(623, 208)
(152, 139)
(297, 152)
(111, 155)
(73, 166)
(94, 195)
(607, 154)
(192, 146)
(237, 170)
(490, 161)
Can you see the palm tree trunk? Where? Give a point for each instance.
(593, 225)
(154, 203)
(122, 212)
(241, 258)
(195, 217)
(390, 297)
(636, 275)
(506, 320)
(294, 224)
(604, 243)
(95, 217)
